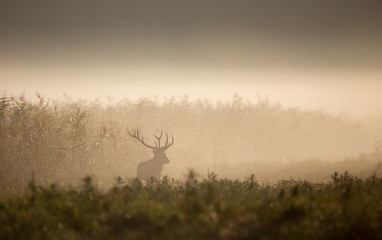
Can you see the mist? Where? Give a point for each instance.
(305, 54)
(190, 119)
(63, 140)
(271, 88)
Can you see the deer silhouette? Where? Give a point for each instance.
(152, 168)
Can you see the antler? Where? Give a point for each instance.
(140, 139)
(167, 144)
(157, 143)
(158, 138)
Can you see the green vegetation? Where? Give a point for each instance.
(208, 208)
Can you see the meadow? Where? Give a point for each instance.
(260, 171)
(61, 141)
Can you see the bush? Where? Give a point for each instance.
(209, 208)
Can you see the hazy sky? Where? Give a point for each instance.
(307, 53)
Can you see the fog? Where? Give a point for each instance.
(354, 93)
(64, 140)
(265, 87)
(307, 54)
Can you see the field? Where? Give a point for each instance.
(264, 171)
(64, 140)
(210, 208)
(191, 119)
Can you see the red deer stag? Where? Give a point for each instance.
(153, 168)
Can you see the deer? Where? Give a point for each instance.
(152, 168)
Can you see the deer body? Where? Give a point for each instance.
(152, 169)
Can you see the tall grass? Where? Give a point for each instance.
(63, 140)
(51, 142)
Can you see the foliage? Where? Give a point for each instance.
(209, 208)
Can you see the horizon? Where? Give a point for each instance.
(305, 54)
(351, 96)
